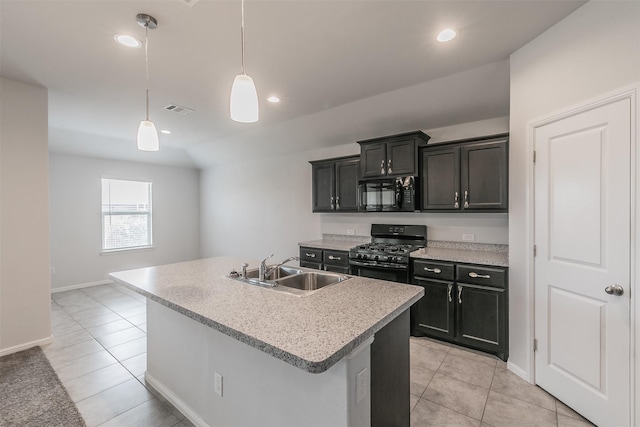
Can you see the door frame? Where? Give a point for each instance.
(630, 92)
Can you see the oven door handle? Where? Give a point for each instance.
(378, 265)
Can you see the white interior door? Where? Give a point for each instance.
(582, 234)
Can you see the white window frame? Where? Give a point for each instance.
(149, 246)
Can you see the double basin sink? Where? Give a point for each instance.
(292, 280)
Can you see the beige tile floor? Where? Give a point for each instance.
(99, 354)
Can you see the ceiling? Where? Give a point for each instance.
(345, 70)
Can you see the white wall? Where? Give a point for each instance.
(76, 228)
(24, 217)
(256, 208)
(591, 52)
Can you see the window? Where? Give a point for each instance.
(126, 214)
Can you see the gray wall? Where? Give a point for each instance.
(24, 217)
(76, 227)
(256, 208)
(593, 51)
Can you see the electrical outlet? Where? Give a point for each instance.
(351, 231)
(469, 237)
(362, 385)
(217, 383)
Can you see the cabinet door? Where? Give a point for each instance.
(347, 173)
(435, 315)
(373, 160)
(481, 317)
(323, 178)
(401, 157)
(440, 179)
(484, 176)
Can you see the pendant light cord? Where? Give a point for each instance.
(242, 36)
(146, 61)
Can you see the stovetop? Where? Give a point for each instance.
(390, 244)
(386, 248)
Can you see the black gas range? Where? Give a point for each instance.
(387, 256)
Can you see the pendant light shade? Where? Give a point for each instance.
(244, 97)
(147, 136)
(244, 100)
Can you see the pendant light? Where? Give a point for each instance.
(244, 97)
(147, 134)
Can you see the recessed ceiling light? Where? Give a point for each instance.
(273, 99)
(446, 35)
(165, 131)
(126, 40)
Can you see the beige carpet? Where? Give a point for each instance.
(31, 394)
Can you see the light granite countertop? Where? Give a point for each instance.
(311, 332)
(472, 253)
(336, 242)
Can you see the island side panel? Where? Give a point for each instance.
(258, 389)
(390, 383)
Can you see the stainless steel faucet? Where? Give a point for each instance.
(263, 272)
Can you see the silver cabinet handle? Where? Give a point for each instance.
(614, 290)
(382, 167)
(338, 202)
(479, 276)
(459, 294)
(310, 255)
(433, 270)
(333, 206)
(449, 291)
(335, 257)
(455, 199)
(389, 167)
(466, 199)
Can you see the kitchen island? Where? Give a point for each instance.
(230, 353)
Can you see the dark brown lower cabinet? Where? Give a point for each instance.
(469, 307)
(435, 311)
(481, 318)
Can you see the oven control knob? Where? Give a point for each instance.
(376, 258)
(392, 259)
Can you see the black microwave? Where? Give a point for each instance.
(388, 194)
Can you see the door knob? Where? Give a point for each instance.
(614, 290)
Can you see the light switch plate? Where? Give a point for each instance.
(469, 237)
(351, 231)
(217, 383)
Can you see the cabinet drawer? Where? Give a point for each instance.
(311, 255)
(314, 265)
(487, 276)
(433, 270)
(337, 258)
(336, 269)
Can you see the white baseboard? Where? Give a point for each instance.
(80, 286)
(25, 346)
(175, 401)
(519, 372)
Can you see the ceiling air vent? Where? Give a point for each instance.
(179, 109)
(189, 3)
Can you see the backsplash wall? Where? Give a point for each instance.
(485, 228)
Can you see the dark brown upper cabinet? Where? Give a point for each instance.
(468, 175)
(391, 156)
(335, 184)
